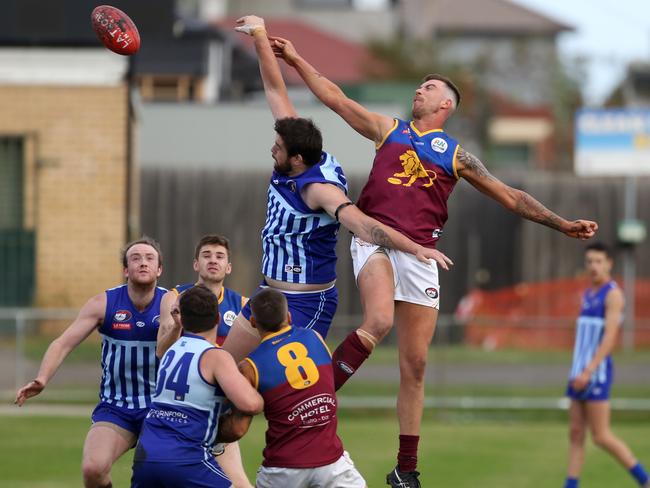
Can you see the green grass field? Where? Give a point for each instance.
(462, 452)
(486, 449)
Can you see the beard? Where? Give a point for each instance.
(282, 168)
(422, 111)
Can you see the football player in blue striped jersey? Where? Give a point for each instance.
(127, 318)
(592, 372)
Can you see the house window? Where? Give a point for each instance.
(11, 182)
(17, 240)
(510, 156)
(168, 88)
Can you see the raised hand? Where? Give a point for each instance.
(283, 48)
(248, 24)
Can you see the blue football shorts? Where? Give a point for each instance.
(201, 474)
(595, 391)
(310, 310)
(130, 419)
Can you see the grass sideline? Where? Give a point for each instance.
(45, 452)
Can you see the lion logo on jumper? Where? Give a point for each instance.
(413, 170)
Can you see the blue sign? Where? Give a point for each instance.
(612, 142)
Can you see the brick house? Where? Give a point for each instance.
(66, 172)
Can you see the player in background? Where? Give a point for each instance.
(292, 369)
(592, 372)
(194, 381)
(127, 318)
(307, 198)
(415, 169)
(213, 265)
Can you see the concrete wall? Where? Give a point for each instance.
(235, 136)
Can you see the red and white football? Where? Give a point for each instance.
(115, 30)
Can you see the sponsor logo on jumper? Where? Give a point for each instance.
(122, 316)
(439, 145)
(290, 268)
(168, 415)
(121, 326)
(436, 233)
(156, 321)
(229, 317)
(317, 410)
(140, 323)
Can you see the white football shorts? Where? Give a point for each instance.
(414, 281)
(339, 474)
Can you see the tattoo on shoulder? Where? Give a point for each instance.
(472, 163)
(380, 237)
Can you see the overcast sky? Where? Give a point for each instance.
(610, 34)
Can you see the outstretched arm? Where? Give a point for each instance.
(517, 201)
(274, 87)
(87, 320)
(332, 199)
(369, 124)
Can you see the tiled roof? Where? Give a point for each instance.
(338, 59)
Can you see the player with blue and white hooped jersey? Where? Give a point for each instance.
(307, 198)
(175, 446)
(591, 373)
(127, 318)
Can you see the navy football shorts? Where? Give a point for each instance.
(310, 310)
(128, 418)
(202, 474)
(595, 391)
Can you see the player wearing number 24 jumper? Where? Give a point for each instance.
(194, 382)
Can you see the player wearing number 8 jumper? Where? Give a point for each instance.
(194, 382)
(292, 370)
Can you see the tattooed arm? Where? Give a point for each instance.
(517, 201)
(369, 124)
(331, 198)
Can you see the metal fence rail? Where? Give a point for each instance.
(501, 379)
